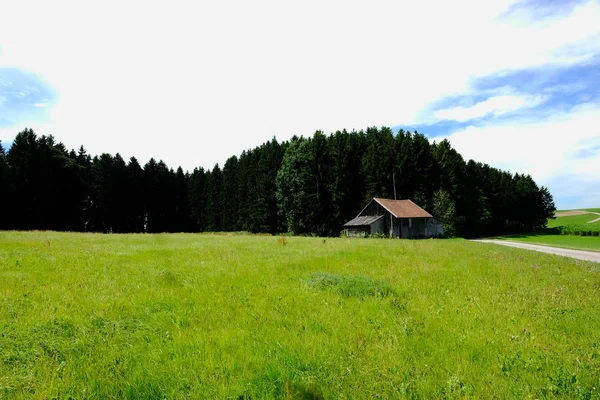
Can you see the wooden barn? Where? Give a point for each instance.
(396, 218)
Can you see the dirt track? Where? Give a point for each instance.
(570, 213)
(578, 254)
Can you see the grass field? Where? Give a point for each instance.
(574, 220)
(570, 238)
(590, 243)
(582, 209)
(249, 317)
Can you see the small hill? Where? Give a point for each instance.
(575, 217)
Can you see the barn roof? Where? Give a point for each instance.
(403, 208)
(363, 221)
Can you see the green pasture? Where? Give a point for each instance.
(590, 243)
(574, 220)
(184, 316)
(571, 232)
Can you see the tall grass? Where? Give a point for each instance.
(245, 317)
(350, 285)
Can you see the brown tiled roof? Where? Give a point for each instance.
(403, 208)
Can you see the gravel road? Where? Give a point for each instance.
(578, 254)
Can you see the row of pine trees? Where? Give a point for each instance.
(305, 186)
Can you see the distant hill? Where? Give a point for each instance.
(575, 217)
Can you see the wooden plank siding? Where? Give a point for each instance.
(420, 227)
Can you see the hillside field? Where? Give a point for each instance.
(570, 232)
(576, 219)
(250, 317)
(587, 243)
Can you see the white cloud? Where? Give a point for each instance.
(496, 106)
(546, 150)
(195, 82)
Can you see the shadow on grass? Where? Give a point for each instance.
(568, 230)
(548, 231)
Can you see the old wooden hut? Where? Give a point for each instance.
(396, 218)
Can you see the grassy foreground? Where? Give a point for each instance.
(200, 316)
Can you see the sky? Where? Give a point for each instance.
(515, 84)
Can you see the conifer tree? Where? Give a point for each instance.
(212, 211)
(229, 195)
(6, 188)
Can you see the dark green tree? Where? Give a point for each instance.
(135, 197)
(229, 195)
(303, 186)
(247, 168)
(379, 163)
(347, 183)
(46, 194)
(444, 209)
(197, 200)
(7, 190)
(212, 209)
(263, 215)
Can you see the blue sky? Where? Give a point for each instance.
(23, 97)
(511, 83)
(543, 91)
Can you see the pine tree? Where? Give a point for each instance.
(246, 170)
(182, 203)
(196, 194)
(22, 158)
(263, 215)
(119, 195)
(451, 168)
(212, 195)
(136, 213)
(229, 195)
(6, 188)
(379, 163)
(303, 186)
(347, 188)
(443, 208)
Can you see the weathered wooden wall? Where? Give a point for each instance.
(358, 231)
(421, 227)
(378, 227)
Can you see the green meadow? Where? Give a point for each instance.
(582, 209)
(181, 316)
(588, 243)
(576, 219)
(570, 232)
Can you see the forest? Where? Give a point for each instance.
(305, 186)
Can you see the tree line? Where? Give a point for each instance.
(306, 186)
